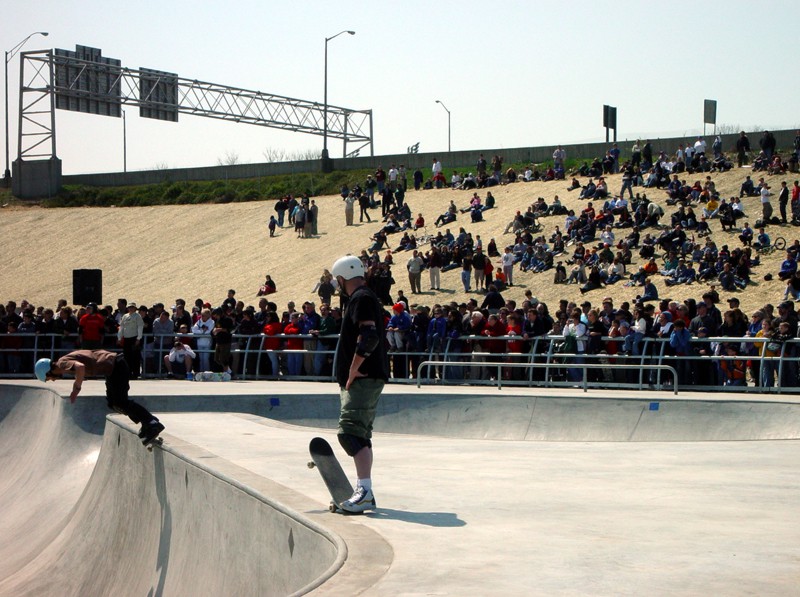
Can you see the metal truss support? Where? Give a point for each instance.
(199, 98)
(36, 131)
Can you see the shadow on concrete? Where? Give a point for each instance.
(430, 519)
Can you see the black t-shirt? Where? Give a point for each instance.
(224, 325)
(362, 306)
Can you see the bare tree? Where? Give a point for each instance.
(273, 155)
(728, 129)
(231, 158)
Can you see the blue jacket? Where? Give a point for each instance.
(680, 341)
(401, 321)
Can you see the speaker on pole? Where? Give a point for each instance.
(87, 286)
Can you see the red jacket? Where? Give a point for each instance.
(272, 330)
(293, 343)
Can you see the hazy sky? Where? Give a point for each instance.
(513, 74)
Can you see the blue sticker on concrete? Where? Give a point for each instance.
(654, 406)
(274, 401)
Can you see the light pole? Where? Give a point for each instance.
(325, 109)
(448, 124)
(9, 55)
(124, 144)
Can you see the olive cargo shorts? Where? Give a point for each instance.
(359, 404)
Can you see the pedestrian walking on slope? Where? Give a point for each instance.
(112, 366)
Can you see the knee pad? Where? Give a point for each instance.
(353, 444)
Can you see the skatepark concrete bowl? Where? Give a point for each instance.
(526, 492)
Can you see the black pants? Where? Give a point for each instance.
(117, 387)
(133, 355)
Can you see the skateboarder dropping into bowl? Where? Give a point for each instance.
(362, 371)
(112, 366)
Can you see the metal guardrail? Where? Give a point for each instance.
(583, 366)
(248, 356)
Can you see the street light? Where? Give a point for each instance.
(124, 144)
(448, 124)
(9, 55)
(325, 117)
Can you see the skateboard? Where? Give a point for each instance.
(323, 458)
(153, 442)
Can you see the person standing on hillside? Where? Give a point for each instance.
(349, 201)
(112, 366)
(414, 267)
(766, 206)
(559, 155)
(742, 149)
(314, 211)
(362, 371)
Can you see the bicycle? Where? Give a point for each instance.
(779, 244)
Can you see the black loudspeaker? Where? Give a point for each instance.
(87, 286)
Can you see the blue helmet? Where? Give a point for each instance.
(41, 369)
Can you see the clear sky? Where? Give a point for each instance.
(513, 74)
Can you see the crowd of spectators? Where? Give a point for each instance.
(177, 341)
(593, 247)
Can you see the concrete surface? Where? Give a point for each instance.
(471, 498)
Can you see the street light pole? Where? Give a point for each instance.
(124, 143)
(325, 107)
(9, 55)
(448, 124)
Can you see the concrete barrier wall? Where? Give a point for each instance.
(146, 523)
(496, 415)
(450, 160)
(47, 454)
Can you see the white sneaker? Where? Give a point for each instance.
(361, 500)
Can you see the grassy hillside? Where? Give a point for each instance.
(197, 249)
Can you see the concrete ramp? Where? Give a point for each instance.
(146, 523)
(48, 449)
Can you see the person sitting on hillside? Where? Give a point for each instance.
(448, 216)
(588, 190)
(474, 202)
(788, 267)
(469, 182)
(762, 240)
(761, 162)
(746, 236)
(268, 287)
(776, 166)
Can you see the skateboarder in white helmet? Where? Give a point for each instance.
(362, 371)
(112, 366)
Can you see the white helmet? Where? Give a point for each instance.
(348, 267)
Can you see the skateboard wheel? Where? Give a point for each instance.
(332, 507)
(311, 464)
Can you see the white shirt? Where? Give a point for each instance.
(700, 146)
(579, 331)
(393, 174)
(437, 167)
(178, 354)
(508, 259)
(764, 195)
(197, 330)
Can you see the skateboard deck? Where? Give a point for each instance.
(323, 458)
